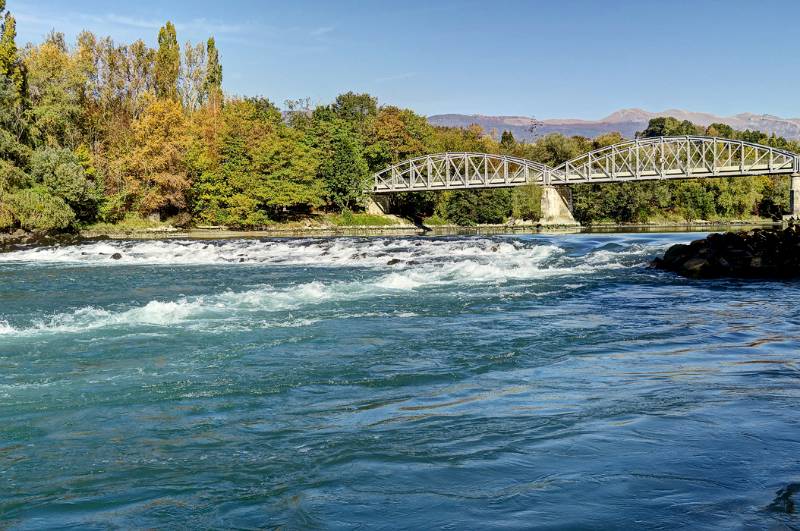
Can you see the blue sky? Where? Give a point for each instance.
(555, 58)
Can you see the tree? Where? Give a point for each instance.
(526, 202)
(10, 64)
(193, 78)
(344, 170)
(14, 151)
(157, 174)
(213, 81)
(669, 126)
(286, 170)
(60, 172)
(55, 85)
(355, 108)
(468, 207)
(507, 140)
(168, 63)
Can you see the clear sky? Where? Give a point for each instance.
(550, 58)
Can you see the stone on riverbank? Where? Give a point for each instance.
(760, 253)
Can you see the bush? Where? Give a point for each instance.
(6, 216)
(61, 172)
(36, 210)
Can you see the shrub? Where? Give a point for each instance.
(36, 210)
(61, 172)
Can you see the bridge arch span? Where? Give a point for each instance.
(681, 157)
(459, 170)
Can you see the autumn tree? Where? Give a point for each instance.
(191, 85)
(157, 176)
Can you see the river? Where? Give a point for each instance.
(484, 382)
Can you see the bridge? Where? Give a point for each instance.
(647, 159)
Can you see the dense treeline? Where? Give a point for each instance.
(97, 131)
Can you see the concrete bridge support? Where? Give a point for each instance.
(556, 208)
(794, 197)
(377, 204)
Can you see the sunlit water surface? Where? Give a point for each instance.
(458, 382)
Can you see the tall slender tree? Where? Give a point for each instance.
(168, 63)
(213, 81)
(10, 64)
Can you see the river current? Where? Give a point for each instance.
(501, 382)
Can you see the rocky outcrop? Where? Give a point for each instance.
(21, 239)
(760, 253)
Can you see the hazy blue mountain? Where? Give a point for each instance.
(625, 121)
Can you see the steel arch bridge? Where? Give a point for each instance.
(680, 157)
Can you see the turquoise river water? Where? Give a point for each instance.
(501, 382)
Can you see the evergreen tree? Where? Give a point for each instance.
(168, 63)
(213, 81)
(507, 139)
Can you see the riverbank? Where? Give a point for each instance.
(326, 227)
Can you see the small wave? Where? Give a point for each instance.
(214, 308)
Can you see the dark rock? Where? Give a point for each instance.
(394, 261)
(784, 499)
(116, 256)
(759, 253)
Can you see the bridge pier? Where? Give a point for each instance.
(377, 204)
(556, 209)
(794, 197)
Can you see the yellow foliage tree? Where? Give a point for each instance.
(157, 176)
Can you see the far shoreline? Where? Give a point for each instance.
(414, 230)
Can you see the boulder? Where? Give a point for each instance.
(760, 253)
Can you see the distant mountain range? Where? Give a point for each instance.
(625, 121)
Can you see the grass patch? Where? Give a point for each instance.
(435, 220)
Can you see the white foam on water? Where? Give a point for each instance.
(417, 265)
(312, 252)
(217, 309)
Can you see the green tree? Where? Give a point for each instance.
(468, 207)
(355, 108)
(11, 66)
(213, 80)
(285, 175)
(35, 209)
(669, 126)
(61, 173)
(55, 86)
(14, 151)
(168, 63)
(526, 202)
(507, 140)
